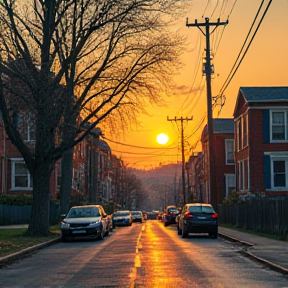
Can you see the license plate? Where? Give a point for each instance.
(200, 217)
(79, 231)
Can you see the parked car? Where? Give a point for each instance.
(88, 221)
(152, 215)
(198, 218)
(137, 216)
(122, 218)
(159, 216)
(170, 215)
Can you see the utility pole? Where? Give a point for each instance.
(183, 156)
(208, 71)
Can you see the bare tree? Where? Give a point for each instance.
(69, 63)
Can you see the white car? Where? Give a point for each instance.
(122, 218)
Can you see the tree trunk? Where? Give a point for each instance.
(66, 178)
(39, 223)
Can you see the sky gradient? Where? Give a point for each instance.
(264, 64)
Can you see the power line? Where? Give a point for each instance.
(141, 147)
(135, 153)
(228, 80)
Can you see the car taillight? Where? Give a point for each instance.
(215, 216)
(188, 215)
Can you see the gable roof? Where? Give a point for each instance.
(263, 94)
(220, 126)
(223, 125)
(259, 96)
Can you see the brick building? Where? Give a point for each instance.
(261, 140)
(223, 159)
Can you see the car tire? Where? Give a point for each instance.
(213, 235)
(64, 239)
(184, 233)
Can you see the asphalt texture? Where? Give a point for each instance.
(273, 253)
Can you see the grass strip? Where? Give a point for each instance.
(14, 240)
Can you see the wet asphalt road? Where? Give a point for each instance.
(143, 255)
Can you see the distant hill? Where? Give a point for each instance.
(161, 185)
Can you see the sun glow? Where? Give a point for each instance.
(162, 138)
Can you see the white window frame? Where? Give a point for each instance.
(279, 158)
(241, 175)
(239, 134)
(244, 130)
(285, 111)
(29, 187)
(229, 178)
(227, 141)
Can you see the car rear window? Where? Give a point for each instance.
(122, 214)
(173, 210)
(201, 209)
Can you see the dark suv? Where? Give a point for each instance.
(198, 218)
(170, 215)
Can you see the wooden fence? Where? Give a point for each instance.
(262, 215)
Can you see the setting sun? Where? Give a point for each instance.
(162, 138)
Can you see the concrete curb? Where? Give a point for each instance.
(247, 253)
(9, 259)
(231, 239)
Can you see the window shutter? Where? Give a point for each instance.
(266, 126)
(267, 172)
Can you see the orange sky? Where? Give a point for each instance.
(265, 64)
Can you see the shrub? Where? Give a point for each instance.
(16, 200)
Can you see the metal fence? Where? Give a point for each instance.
(13, 214)
(262, 215)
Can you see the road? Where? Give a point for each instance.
(142, 256)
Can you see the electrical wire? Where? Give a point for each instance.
(137, 153)
(231, 75)
(134, 146)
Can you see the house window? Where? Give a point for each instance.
(21, 177)
(239, 134)
(28, 125)
(245, 130)
(279, 125)
(243, 175)
(230, 183)
(279, 172)
(229, 151)
(242, 132)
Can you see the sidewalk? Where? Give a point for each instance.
(273, 253)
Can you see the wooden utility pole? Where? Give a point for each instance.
(183, 156)
(208, 71)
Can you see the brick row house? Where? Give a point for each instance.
(223, 159)
(250, 151)
(91, 166)
(261, 140)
